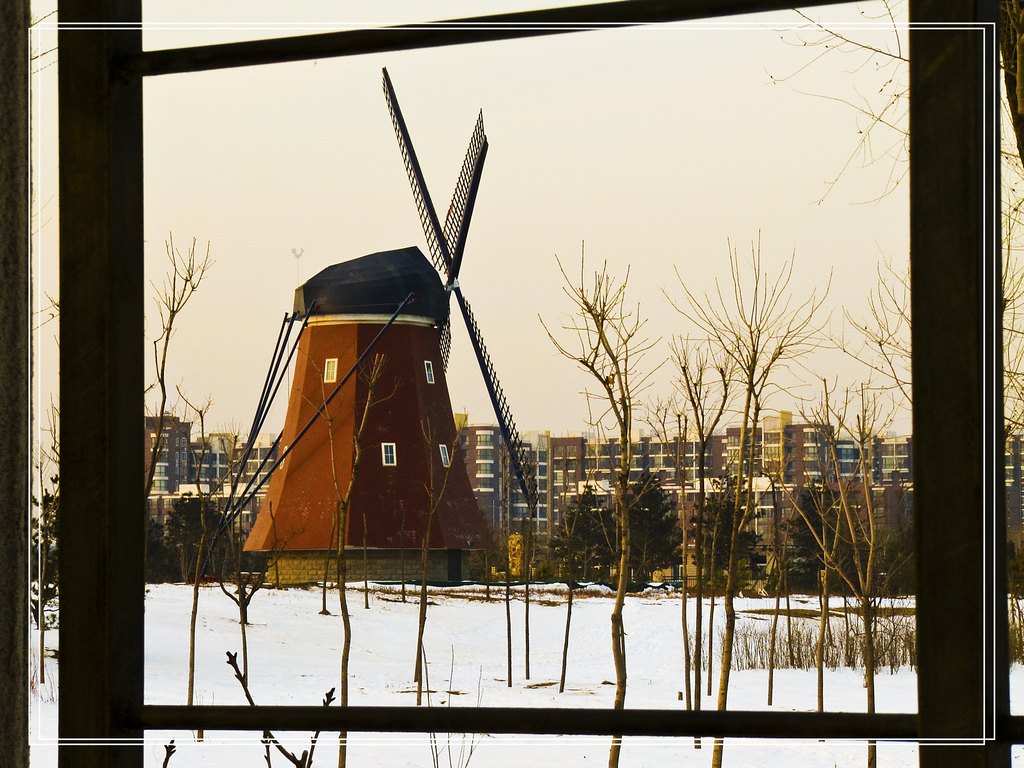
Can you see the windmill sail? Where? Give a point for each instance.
(460, 212)
(517, 452)
(456, 223)
(447, 262)
(436, 243)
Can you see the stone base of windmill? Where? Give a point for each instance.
(297, 568)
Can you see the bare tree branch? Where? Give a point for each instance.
(610, 346)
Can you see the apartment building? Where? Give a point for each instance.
(201, 466)
(173, 460)
(893, 457)
(494, 485)
(1014, 484)
(794, 453)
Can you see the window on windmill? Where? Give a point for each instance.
(445, 458)
(331, 370)
(388, 454)
(429, 368)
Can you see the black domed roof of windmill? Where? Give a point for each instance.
(376, 285)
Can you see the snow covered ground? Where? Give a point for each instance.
(295, 658)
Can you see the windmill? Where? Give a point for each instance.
(395, 303)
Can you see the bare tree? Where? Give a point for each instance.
(302, 760)
(877, 53)
(1012, 311)
(855, 522)
(779, 547)
(184, 275)
(572, 542)
(610, 346)
(434, 494)
(703, 378)
(370, 378)
(526, 526)
(755, 322)
(1011, 51)
(658, 414)
(882, 338)
(568, 525)
(204, 545)
(882, 132)
(45, 582)
(817, 507)
(244, 583)
(506, 535)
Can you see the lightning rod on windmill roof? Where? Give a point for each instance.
(297, 253)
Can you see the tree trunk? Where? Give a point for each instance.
(771, 638)
(366, 569)
(243, 620)
(779, 581)
(699, 555)
(565, 642)
(868, 618)
(527, 555)
(422, 621)
(727, 642)
(42, 642)
(242, 601)
(687, 662)
(789, 626)
(277, 559)
(487, 573)
(401, 567)
(748, 431)
(711, 616)
(619, 633)
(331, 546)
(44, 549)
(196, 581)
(711, 608)
(819, 651)
(508, 613)
(346, 624)
(618, 628)
(846, 626)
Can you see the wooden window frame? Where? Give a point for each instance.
(330, 376)
(963, 677)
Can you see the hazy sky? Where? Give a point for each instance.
(655, 146)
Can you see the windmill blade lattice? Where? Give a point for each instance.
(460, 212)
(517, 452)
(436, 244)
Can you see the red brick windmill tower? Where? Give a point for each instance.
(396, 304)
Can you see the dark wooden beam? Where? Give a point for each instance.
(526, 720)
(506, 26)
(14, 379)
(954, 248)
(102, 517)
